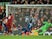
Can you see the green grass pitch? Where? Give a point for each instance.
(25, 37)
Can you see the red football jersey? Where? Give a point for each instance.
(10, 21)
(0, 27)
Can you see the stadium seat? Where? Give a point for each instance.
(48, 33)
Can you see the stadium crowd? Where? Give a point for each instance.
(25, 21)
(31, 2)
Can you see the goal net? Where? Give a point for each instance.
(24, 13)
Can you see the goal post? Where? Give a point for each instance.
(24, 14)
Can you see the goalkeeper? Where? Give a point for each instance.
(45, 27)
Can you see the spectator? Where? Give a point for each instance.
(18, 2)
(26, 2)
